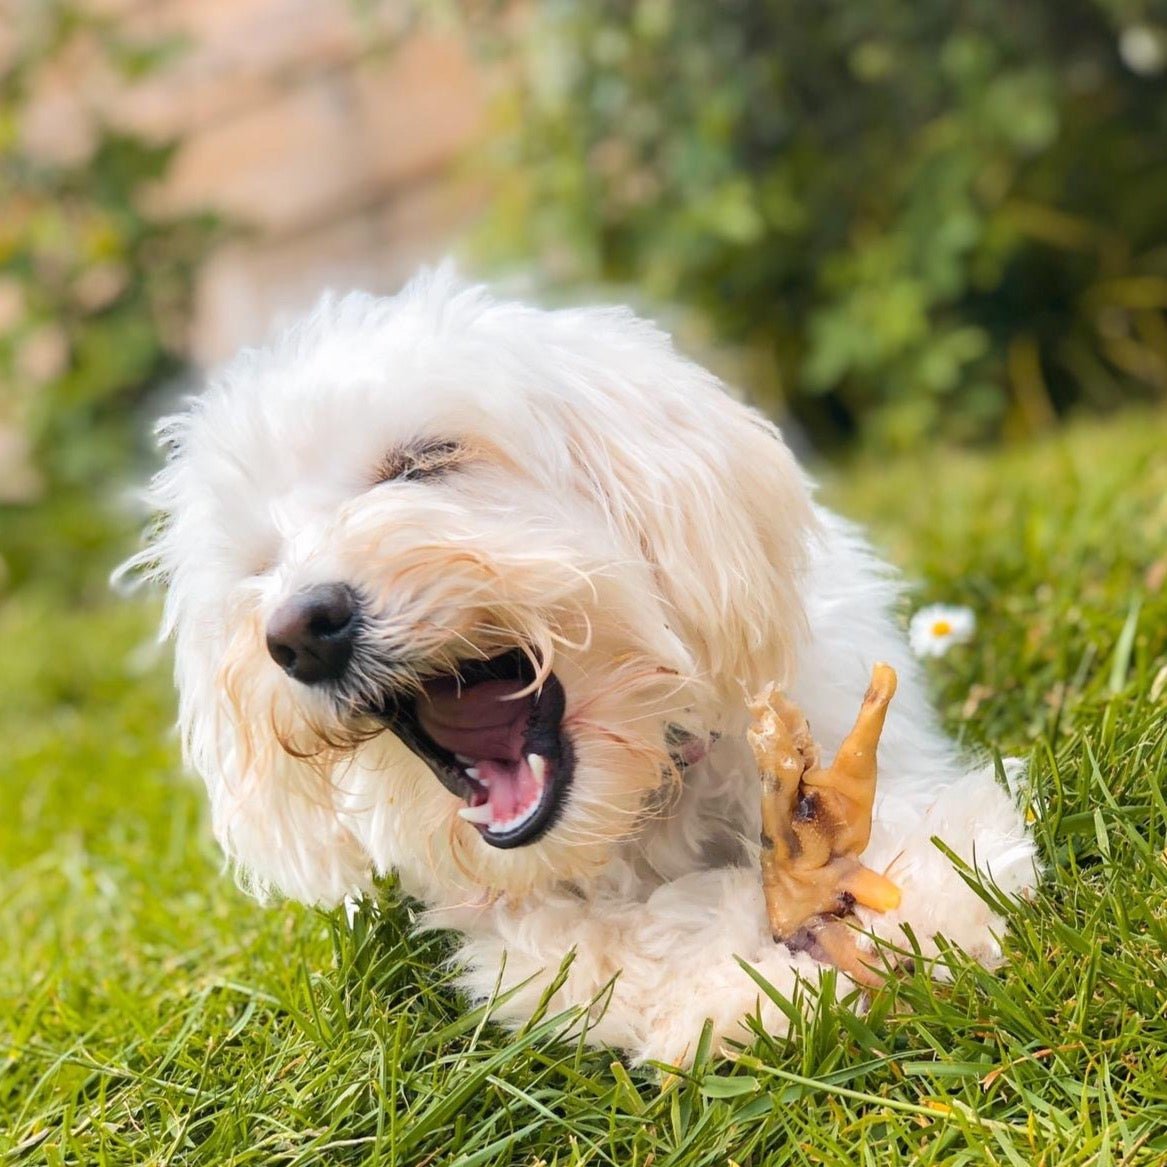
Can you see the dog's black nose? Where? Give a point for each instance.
(311, 635)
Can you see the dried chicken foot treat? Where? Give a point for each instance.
(816, 823)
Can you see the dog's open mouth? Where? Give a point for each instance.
(496, 742)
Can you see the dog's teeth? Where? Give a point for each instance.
(472, 772)
(476, 814)
(464, 760)
(538, 766)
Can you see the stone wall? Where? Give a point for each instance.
(329, 130)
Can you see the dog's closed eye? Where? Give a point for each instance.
(419, 461)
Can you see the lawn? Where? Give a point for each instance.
(150, 1013)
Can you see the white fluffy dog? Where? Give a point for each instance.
(473, 592)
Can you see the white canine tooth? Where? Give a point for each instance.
(472, 772)
(538, 766)
(476, 814)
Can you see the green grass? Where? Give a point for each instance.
(149, 1013)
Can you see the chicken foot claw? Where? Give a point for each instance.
(816, 822)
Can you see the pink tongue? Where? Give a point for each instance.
(475, 722)
(511, 788)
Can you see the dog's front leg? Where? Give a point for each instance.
(648, 973)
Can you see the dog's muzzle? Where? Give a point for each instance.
(487, 731)
(494, 739)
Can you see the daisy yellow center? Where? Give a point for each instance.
(941, 628)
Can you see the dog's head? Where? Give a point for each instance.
(466, 576)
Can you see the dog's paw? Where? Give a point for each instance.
(982, 825)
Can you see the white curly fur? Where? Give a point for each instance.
(651, 540)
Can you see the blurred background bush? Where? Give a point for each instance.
(944, 218)
(909, 220)
(93, 293)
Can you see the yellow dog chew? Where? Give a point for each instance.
(816, 821)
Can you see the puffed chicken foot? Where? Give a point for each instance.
(816, 821)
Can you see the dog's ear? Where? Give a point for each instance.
(275, 813)
(706, 490)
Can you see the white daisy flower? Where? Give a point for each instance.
(1141, 50)
(932, 631)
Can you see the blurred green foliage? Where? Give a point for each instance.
(926, 219)
(93, 293)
